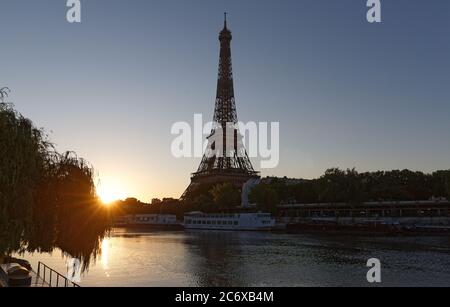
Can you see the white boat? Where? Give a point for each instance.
(235, 221)
(162, 221)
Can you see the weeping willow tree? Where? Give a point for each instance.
(47, 199)
(22, 154)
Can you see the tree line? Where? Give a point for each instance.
(349, 186)
(207, 198)
(335, 186)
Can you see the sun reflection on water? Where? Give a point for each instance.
(105, 255)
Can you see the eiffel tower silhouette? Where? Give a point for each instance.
(225, 159)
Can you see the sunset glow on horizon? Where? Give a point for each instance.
(305, 67)
(110, 190)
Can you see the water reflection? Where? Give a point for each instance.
(105, 254)
(215, 258)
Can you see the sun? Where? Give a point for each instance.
(110, 192)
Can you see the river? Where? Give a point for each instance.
(214, 258)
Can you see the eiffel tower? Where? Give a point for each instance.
(228, 161)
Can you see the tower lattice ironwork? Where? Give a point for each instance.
(225, 159)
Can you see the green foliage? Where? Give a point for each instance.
(134, 206)
(81, 221)
(440, 183)
(353, 188)
(22, 163)
(341, 186)
(226, 196)
(306, 192)
(47, 199)
(203, 189)
(203, 202)
(336, 185)
(265, 197)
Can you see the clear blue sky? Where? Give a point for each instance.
(346, 93)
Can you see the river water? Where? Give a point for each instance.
(214, 258)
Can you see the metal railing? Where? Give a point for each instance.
(53, 278)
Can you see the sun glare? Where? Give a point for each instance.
(110, 192)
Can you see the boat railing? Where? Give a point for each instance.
(53, 278)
